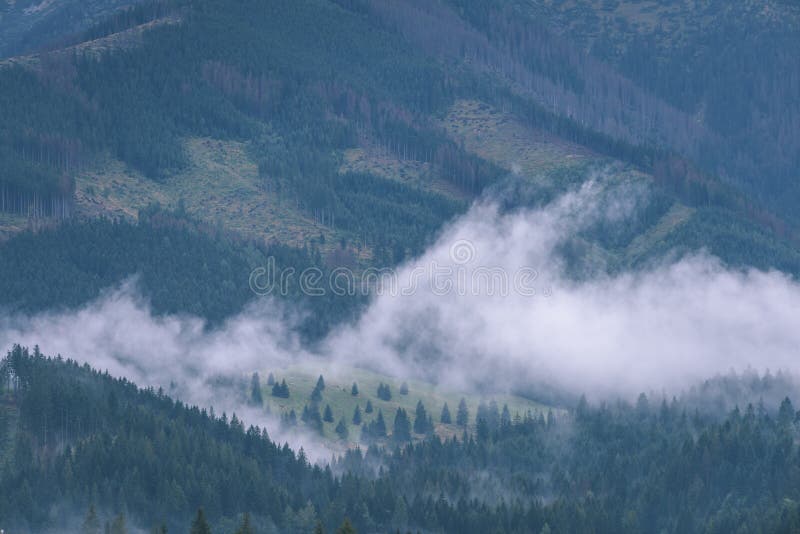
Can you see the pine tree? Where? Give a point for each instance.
(404, 388)
(320, 383)
(384, 392)
(328, 415)
(379, 426)
(462, 415)
(445, 417)
(255, 391)
(354, 390)
(402, 427)
(357, 415)
(200, 525)
(341, 429)
(271, 380)
(281, 390)
(505, 416)
(421, 423)
(368, 407)
(316, 394)
(91, 525)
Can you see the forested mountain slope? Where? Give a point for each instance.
(729, 65)
(31, 25)
(358, 128)
(73, 439)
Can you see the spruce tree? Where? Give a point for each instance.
(354, 390)
(384, 392)
(341, 429)
(281, 389)
(271, 380)
(368, 407)
(505, 416)
(421, 419)
(316, 394)
(445, 417)
(462, 415)
(320, 383)
(200, 525)
(328, 415)
(380, 425)
(255, 391)
(404, 388)
(402, 427)
(357, 415)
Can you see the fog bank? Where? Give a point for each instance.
(659, 329)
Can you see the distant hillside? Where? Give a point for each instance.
(359, 127)
(31, 25)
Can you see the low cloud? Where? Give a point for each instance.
(660, 329)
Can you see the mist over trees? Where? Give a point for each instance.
(62, 417)
(363, 129)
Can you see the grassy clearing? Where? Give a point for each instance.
(11, 224)
(414, 173)
(337, 394)
(499, 137)
(675, 217)
(220, 185)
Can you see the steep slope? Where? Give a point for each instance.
(730, 65)
(29, 25)
(361, 138)
(73, 440)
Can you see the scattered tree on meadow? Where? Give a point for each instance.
(368, 407)
(312, 417)
(281, 390)
(255, 391)
(404, 388)
(462, 415)
(320, 383)
(505, 416)
(271, 380)
(445, 417)
(357, 415)
(384, 392)
(341, 429)
(375, 429)
(354, 390)
(316, 394)
(422, 422)
(328, 415)
(402, 427)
